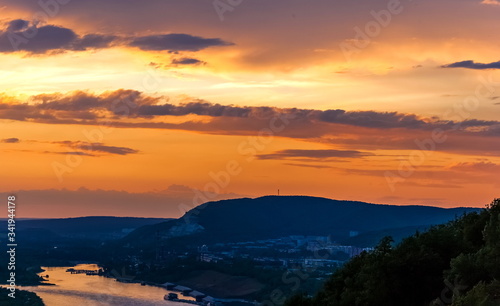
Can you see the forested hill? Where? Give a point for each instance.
(278, 216)
(456, 264)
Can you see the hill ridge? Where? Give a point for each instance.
(277, 216)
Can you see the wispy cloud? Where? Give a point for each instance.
(491, 2)
(10, 140)
(473, 65)
(313, 154)
(176, 42)
(88, 148)
(482, 166)
(314, 166)
(79, 153)
(187, 61)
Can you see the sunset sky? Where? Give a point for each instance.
(148, 108)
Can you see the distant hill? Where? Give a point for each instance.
(101, 228)
(278, 216)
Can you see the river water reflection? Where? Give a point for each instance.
(82, 290)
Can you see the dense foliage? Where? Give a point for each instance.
(456, 264)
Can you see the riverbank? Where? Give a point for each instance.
(238, 282)
(83, 289)
(44, 279)
(197, 297)
(195, 285)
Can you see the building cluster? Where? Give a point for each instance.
(286, 252)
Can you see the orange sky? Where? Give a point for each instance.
(378, 101)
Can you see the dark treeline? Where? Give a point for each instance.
(456, 264)
(22, 298)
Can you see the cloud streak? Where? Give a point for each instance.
(313, 154)
(187, 61)
(491, 2)
(89, 148)
(81, 148)
(31, 37)
(176, 42)
(10, 140)
(482, 166)
(473, 65)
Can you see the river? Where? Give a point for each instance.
(92, 290)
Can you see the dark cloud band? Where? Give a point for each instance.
(89, 107)
(86, 148)
(22, 35)
(176, 42)
(313, 154)
(473, 65)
